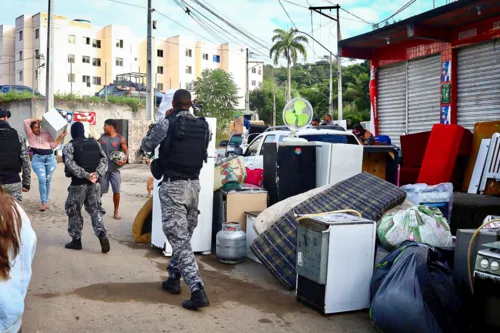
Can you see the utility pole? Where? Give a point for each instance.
(150, 108)
(71, 76)
(339, 68)
(10, 83)
(274, 104)
(247, 93)
(106, 82)
(49, 66)
(321, 10)
(33, 75)
(330, 102)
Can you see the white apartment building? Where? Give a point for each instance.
(86, 57)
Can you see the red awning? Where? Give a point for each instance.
(435, 25)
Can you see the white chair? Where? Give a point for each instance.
(492, 166)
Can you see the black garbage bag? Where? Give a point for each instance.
(415, 290)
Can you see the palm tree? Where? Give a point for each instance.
(288, 44)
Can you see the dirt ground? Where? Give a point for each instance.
(86, 291)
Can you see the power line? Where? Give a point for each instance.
(287, 13)
(360, 20)
(14, 61)
(168, 18)
(348, 12)
(405, 6)
(128, 4)
(238, 25)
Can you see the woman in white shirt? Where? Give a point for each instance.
(17, 249)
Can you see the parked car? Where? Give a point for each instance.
(114, 90)
(17, 89)
(256, 147)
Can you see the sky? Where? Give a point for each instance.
(259, 17)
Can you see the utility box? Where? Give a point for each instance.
(54, 123)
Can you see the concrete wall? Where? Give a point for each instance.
(35, 108)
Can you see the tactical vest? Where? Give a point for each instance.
(87, 155)
(10, 153)
(184, 150)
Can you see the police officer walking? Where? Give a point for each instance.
(183, 141)
(14, 158)
(85, 162)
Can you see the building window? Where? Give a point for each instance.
(86, 80)
(254, 70)
(71, 39)
(254, 83)
(71, 58)
(260, 84)
(189, 70)
(71, 77)
(189, 86)
(85, 59)
(119, 43)
(205, 56)
(216, 58)
(96, 43)
(119, 62)
(20, 35)
(37, 33)
(260, 72)
(189, 53)
(21, 76)
(36, 74)
(159, 86)
(96, 62)
(37, 54)
(20, 55)
(159, 53)
(86, 40)
(159, 69)
(96, 80)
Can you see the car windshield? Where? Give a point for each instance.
(331, 138)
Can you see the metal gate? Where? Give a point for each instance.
(424, 98)
(478, 84)
(391, 102)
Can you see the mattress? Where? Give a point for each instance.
(368, 194)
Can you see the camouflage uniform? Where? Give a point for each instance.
(179, 205)
(88, 195)
(16, 189)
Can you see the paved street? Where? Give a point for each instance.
(86, 291)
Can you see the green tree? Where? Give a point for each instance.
(218, 94)
(288, 44)
(261, 101)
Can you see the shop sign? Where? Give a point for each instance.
(446, 115)
(469, 33)
(446, 71)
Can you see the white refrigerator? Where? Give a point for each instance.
(336, 162)
(202, 236)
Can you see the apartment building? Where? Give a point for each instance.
(86, 57)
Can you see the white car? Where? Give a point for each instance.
(318, 134)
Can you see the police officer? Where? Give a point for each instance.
(183, 141)
(85, 162)
(14, 158)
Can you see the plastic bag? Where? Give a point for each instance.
(440, 196)
(419, 223)
(414, 290)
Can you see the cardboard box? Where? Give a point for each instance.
(54, 123)
(240, 202)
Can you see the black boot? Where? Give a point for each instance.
(198, 300)
(75, 244)
(172, 285)
(103, 239)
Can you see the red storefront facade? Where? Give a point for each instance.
(454, 49)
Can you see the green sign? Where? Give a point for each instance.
(445, 93)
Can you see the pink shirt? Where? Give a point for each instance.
(42, 141)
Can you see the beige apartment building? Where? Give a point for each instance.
(87, 56)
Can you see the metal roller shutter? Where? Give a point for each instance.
(424, 98)
(391, 102)
(478, 84)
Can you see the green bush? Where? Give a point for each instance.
(15, 96)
